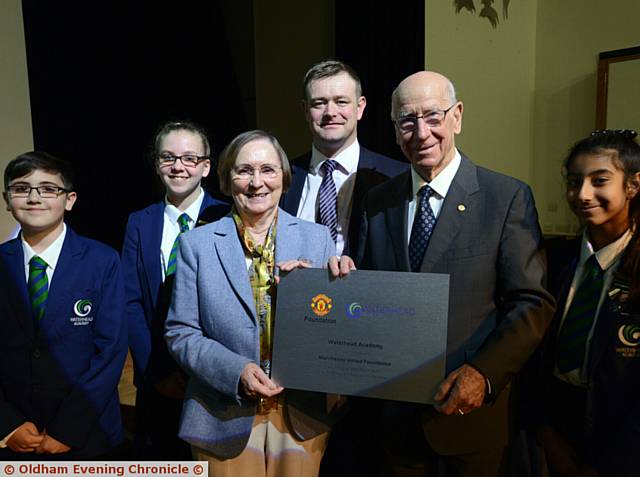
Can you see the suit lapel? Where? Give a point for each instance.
(287, 240)
(396, 215)
(67, 268)
(563, 278)
(15, 265)
(451, 218)
(232, 260)
(291, 200)
(151, 240)
(366, 170)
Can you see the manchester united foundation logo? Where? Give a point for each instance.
(321, 304)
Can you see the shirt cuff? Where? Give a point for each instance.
(3, 442)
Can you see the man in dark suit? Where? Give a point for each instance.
(333, 104)
(449, 216)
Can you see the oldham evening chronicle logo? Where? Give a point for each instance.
(321, 305)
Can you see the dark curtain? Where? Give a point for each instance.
(104, 75)
(384, 45)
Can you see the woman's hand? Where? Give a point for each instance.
(341, 266)
(256, 384)
(286, 267)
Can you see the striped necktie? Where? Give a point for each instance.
(183, 222)
(577, 324)
(38, 286)
(328, 199)
(421, 230)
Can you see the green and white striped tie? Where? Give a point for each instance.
(183, 222)
(38, 286)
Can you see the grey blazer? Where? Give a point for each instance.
(488, 240)
(211, 331)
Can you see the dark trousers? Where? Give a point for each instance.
(351, 450)
(405, 452)
(157, 424)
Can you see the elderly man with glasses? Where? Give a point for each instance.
(448, 215)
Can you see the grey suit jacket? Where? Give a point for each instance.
(488, 240)
(212, 332)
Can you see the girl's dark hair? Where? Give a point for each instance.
(625, 154)
(38, 160)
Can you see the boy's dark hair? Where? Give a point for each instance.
(38, 160)
(625, 154)
(327, 69)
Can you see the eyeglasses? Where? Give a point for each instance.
(44, 191)
(432, 119)
(246, 173)
(188, 160)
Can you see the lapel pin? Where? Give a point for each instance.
(462, 207)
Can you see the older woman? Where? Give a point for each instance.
(220, 324)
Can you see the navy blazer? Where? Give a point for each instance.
(488, 240)
(612, 412)
(373, 169)
(63, 375)
(147, 297)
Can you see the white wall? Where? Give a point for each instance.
(529, 86)
(290, 37)
(493, 71)
(570, 35)
(15, 110)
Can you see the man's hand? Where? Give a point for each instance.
(49, 445)
(25, 439)
(461, 392)
(341, 266)
(172, 386)
(254, 383)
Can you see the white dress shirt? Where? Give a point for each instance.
(344, 176)
(171, 227)
(440, 185)
(608, 258)
(50, 255)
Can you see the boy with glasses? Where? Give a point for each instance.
(62, 326)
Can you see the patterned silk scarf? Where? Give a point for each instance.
(262, 284)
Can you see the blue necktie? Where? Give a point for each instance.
(328, 199)
(423, 225)
(183, 222)
(572, 339)
(38, 286)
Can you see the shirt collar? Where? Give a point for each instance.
(440, 183)
(193, 211)
(347, 159)
(608, 254)
(50, 255)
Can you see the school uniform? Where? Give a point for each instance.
(595, 407)
(61, 372)
(148, 239)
